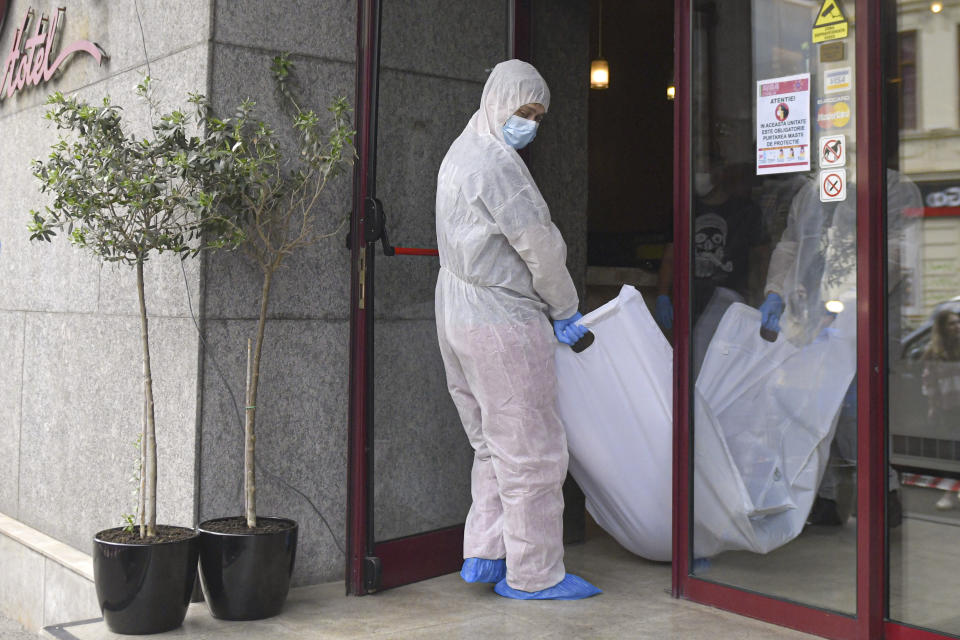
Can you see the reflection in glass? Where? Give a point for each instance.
(773, 297)
(923, 312)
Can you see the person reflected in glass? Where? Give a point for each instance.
(730, 247)
(812, 278)
(941, 380)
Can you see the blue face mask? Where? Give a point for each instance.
(519, 132)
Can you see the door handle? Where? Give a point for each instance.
(375, 220)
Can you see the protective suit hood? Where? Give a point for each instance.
(511, 85)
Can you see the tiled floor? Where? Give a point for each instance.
(635, 604)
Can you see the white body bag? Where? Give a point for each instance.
(765, 417)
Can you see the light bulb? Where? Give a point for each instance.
(936, 7)
(834, 306)
(671, 92)
(599, 74)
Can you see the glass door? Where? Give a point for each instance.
(923, 311)
(425, 64)
(768, 221)
(773, 303)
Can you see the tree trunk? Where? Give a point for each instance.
(250, 437)
(142, 480)
(150, 470)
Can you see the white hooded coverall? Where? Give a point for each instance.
(503, 271)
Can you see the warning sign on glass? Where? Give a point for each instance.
(783, 124)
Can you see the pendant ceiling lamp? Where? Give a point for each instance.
(599, 69)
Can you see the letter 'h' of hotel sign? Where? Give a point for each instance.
(30, 60)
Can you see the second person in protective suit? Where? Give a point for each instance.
(503, 278)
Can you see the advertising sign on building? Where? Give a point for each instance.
(32, 59)
(783, 124)
(941, 198)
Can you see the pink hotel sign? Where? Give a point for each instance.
(32, 59)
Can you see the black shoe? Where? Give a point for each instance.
(894, 510)
(824, 512)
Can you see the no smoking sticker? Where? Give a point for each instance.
(833, 151)
(833, 185)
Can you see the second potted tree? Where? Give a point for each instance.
(246, 562)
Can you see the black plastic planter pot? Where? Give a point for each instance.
(246, 575)
(144, 588)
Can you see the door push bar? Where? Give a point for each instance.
(376, 229)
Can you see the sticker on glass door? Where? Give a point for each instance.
(783, 124)
(833, 185)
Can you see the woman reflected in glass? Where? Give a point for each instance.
(941, 379)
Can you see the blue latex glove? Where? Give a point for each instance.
(483, 570)
(663, 312)
(567, 331)
(570, 588)
(770, 312)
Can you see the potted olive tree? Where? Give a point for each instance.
(126, 199)
(246, 561)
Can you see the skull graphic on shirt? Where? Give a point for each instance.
(710, 242)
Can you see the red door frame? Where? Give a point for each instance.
(870, 623)
(371, 565)
(358, 445)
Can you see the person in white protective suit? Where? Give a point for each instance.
(503, 276)
(812, 276)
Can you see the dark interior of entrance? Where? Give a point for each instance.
(630, 201)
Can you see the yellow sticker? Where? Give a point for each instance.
(830, 12)
(841, 114)
(831, 23)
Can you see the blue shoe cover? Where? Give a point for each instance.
(483, 570)
(570, 588)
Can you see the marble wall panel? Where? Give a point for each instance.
(325, 29)
(81, 416)
(11, 368)
(558, 157)
(462, 40)
(56, 276)
(314, 282)
(413, 138)
(301, 431)
(422, 456)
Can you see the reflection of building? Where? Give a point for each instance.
(928, 72)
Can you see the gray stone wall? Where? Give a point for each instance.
(302, 403)
(558, 157)
(70, 379)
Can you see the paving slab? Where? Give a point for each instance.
(635, 604)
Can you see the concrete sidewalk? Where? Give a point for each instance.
(635, 604)
(10, 630)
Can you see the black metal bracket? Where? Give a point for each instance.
(372, 571)
(376, 225)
